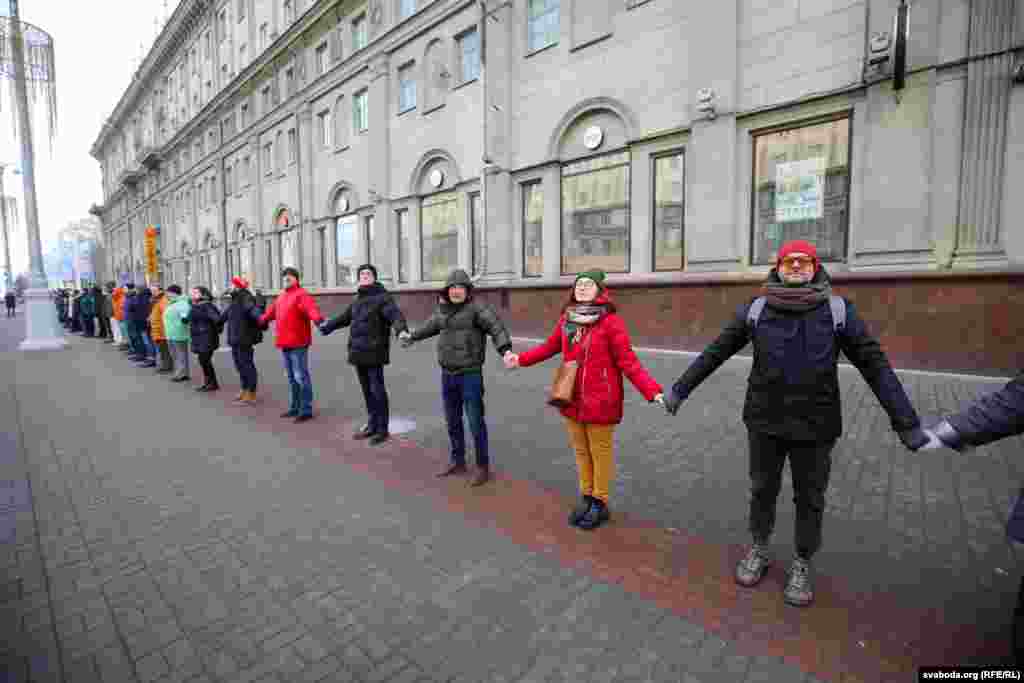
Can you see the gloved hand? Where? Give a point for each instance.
(914, 438)
(934, 442)
(322, 327)
(672, 402)
(405, 339)
(659, 400)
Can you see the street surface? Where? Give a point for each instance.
(150, 533)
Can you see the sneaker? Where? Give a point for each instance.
(364, 433)
(752, 568)
(581, 509)
(595, 516)
(799, 591)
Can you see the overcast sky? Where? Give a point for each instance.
(97, 49)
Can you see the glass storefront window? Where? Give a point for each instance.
(668, 212)
(533, 230)
(439, 230)
(345, 249)
(802, 189)
(595, 214)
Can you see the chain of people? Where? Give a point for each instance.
(792, 410)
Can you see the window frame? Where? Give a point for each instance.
(628, 165)
(362, 96)
(359, 29)
(293, 146)
(321, 58)
(460, 44)
(426, 203)
(846, 114)
(402, 14)
(530, 47)
(407, 69)
(325, 128)
(655, 157)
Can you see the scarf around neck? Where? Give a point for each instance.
(580, 317)
(799, 298)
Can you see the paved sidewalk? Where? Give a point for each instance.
(173, 537)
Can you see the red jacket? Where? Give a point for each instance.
(293, 310)
(604, 354)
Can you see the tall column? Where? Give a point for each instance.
(380, 168)
(551, 228)
(984, 133)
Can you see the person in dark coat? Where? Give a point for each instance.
(371, 316)
(11, 301)
(792, 406)
(136, 349)
(76, 313)
(242, 319)
(140, 312)
(463, 324)
(204, 331)
(87, 309)
(104, 312)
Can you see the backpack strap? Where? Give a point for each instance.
(838, 306)
(754, 312)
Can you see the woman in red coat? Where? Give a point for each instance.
(591, 333)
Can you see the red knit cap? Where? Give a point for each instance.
(240, 283)
(797, 247)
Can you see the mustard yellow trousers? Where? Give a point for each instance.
(595, 456)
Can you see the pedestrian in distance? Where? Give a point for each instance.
(11, 301)
(204, 332)
(117, 316)
(463, 324)
(137, 350)
(591, 335)
(158, 306)
(242, 320)
(371, 317)
(106, 312)
(62, 307)
(177, 330)
(76, 314)
(792, 405)
(294, 309)
(143, 308)
(87, 310)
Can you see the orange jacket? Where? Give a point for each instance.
(156, 319)
(117, 299)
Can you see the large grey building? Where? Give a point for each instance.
(672, 142)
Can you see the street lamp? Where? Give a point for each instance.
(8, 276)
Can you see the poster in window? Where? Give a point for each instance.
(799, 190)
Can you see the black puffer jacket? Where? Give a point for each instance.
(990, 418)
(204, 327)
(242, 318)
(463, 346)
(793, 390)
(371, 315)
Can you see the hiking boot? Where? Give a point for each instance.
(250, 398)
(799, 591)
(581, 509)
(242, 399)
(379, 438)
(595, 516)
(752, 568)
(364, 432)
(453, 470)
(483, 475)
(241, 395)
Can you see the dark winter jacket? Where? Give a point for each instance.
(106, 307)
(793, 390)
(204, 327)
(242, 318)
(10, 299)
(604, 354)
(87, 305)
(463, 347)
(990, 418)
(371, 315)
(137, 307)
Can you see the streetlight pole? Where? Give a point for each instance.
(7, 239)
(42, 331)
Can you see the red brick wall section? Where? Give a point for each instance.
(961, 323)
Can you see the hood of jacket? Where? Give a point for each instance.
(458, 278)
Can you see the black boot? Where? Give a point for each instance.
(364, 432)
(595, 516)
(581, 509)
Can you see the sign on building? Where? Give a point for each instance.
(799, 190)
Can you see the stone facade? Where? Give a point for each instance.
(309, 148)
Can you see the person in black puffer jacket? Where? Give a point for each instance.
(242, 318)
(204, 329)
(372, 316)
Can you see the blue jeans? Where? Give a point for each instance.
(135, 330)
(465, 392)
(371, 379)
(296, 364)
(149, 343)
(243, 357)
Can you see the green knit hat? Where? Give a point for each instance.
(597, 275)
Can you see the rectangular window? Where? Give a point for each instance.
(228, 179)
(360, 107)
(266, 99)
(544, 24)
(324, 127)
(469, 56)
(402, 225)
(293, 146)
(246, 178)
(321, 244)
(533, 229)
(802, 189)
(368, 224)
(268, 153)
(406, 8)
(263, 35)
(476, 236)
(359, 35)
(595, 214)
(345, 250)
(321, 59)
(406, 88)
(289, 12)
(668, 212)
(439, 236)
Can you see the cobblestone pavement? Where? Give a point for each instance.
(152, 534)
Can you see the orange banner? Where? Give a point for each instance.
(150, 251)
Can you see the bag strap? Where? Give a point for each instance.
(754, 312)
(836, 304)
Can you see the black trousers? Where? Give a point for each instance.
(206, 363)
(810, 463)
(105, 327)
(371, 379)
(89, 324)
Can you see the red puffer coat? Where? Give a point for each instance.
(604, 354)
(293, 310)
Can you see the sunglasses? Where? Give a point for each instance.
(801, 262)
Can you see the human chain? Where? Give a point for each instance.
(797, 327)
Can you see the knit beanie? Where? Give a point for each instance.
(174, 289)
(797, 247)
(596, 274)
(367, 266)
(240, 282)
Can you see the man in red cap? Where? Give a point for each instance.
(242, 320)
(792, 407)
